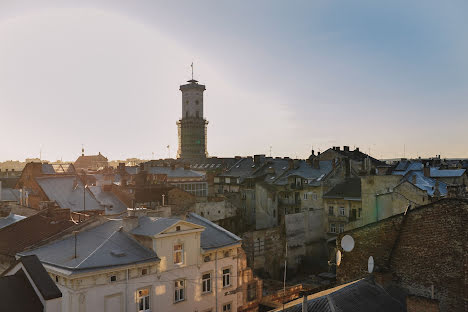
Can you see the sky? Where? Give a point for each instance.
(283, 76)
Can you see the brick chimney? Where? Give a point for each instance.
(427, 170)
(346, 148)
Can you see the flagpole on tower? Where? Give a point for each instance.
(192, 70)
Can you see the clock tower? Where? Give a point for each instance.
(192, 126)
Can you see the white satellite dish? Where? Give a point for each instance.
(347, 243)
(370, 264)
(338, 258)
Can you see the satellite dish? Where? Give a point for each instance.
(370, 264)
(347, 243)
(338, 258)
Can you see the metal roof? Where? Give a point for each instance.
(9, 194)
(426, 184)
(171, 172)
(112, 204)
(307, 171)
(405, 166)
(12, 218)
(351, 189)
(363, 296)
(105, 245)
(446, 173)
(67, 191)
(150, 226)
(213, 236)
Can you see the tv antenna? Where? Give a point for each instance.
(347, 243)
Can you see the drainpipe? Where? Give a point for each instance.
(126, 292)
(216, 279)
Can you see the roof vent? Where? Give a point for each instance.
(117, 253)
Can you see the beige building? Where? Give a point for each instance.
(151, 264)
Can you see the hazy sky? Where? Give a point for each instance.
(288, 74)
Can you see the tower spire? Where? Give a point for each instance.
(192, 70)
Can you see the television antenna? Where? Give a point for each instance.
(370, 264)
(347, 243)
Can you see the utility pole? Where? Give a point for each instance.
(284, 277)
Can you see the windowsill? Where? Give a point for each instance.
(227, 286)
(207, 293)
(176, 302)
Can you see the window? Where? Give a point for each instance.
(305, 196)
(226, 277)
(216, 180)
(143, 300)
(178, 254)
(177, 228)
(340, 228)
(227, 180)
(251, 291)
(144, 271)
(113, 278)
(186, 114)
(227, 307)
(179, 290)
(56, 278)
(359, 212)
(332, 228)
(206, 283)
(330, 211)
(342, 211)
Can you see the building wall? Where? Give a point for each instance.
(304, 236)
(371, 186)
(215, 210)
(266, 207)
(430, 249)
(336, 219)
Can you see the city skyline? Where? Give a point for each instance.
(311, 76)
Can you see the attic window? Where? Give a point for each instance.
(177, 228)
(113, 278)
(56, 278)
(144, 271)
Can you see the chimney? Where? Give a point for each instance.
(334, 163)
(347, 167)
(436, 190)
(290, 164)
(346, 148)
(316, 163)
(427, 170)
(258, 158)
(356, 149)
(413, 179)
(129, 223)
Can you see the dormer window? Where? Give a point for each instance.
(178, 254)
